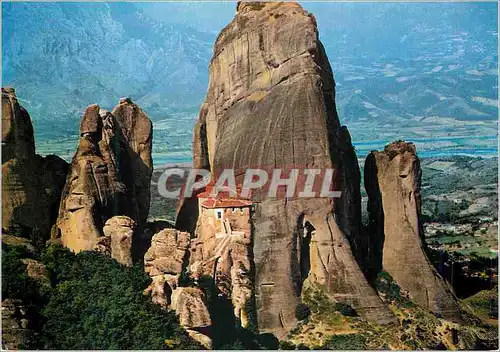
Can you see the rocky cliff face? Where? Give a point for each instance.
(108, 174)
(137, 130)
(165, 261)
(392, 179)
(20, 317)
(31, 185)
(270, 104)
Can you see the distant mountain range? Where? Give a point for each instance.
(403, 70)
(63, 56)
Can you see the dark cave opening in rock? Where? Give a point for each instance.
(305, 253)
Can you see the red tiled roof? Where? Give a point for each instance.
(225, 203)
(208, 191)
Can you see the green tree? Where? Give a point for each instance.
(15, 281)
(97, 303)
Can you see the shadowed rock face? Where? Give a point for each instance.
(392, 179)
(137, 130)
(270, 104)
(17, 130)
(107, 175)
(21, 317)
(31, 184)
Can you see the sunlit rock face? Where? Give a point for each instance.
(271, 104)
(166, 262)
(392, 179)
(117, 239)
(107, 176)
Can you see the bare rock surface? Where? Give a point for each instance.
(168, 252)
(111, 163)
(31, 184)
(120, 230)
(17, 131)
(137, 129)
(17, 333)
(93, 190)
(161, 288)
(165, 261)
(16, 241)
(392, 179)
(271, 104)
(229, 263)
(189, 303)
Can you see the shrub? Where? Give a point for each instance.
(98, 304)
(15, 281)
(317, 300)
(345, 309)
(302, 311)
(346, 342)
(391, 291)
(484, 304)
(286, 345)
(256, 6)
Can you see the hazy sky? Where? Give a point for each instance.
(215, 15)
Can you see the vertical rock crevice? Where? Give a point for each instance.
(110, 175)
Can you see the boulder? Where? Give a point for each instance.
(17, 331)
(165, 261)
(37, 271)
(161, 288)
(15, 241)
(189, 303)
(168, 252)
(392, 181)
(20, 317)
(120, 230)
(242, 273)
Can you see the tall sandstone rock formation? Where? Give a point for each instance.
(31, 184)
(108, 175)
(136, 129)
(271, 104)
(392, 181)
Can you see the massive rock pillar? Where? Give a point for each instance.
(31, 184)
(108, 175)
(271, 104)
(392, 179)
(137, 130)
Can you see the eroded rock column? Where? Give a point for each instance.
(392, 179)
(108, 175)
(31, 184)
(270, 104)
